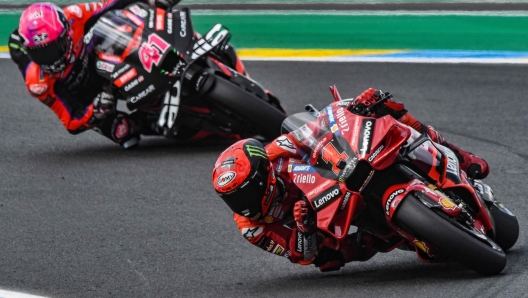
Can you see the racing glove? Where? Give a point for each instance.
(104, 104)
(304, 217)
(163, 3)
(390, 107)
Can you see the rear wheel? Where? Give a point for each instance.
(462, 243)
(506, 226)
(261, 116)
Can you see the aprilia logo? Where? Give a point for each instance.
(365, 138)
(327, 197)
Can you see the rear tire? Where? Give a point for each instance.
(260, 115)
(506, 227)
(449, 238)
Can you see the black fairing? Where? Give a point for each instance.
(138, 47)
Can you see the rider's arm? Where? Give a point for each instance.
(17, 52)
(280, 239)
(74, 116)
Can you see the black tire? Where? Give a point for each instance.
(450, 238)
(506, 227)
(257, 112)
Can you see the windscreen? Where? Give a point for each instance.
(114, 33)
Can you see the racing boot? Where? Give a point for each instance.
(474, 166)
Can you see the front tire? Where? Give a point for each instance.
(450, 238)
(506, 227)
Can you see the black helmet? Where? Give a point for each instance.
(243, 178)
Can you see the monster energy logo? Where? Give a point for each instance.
(256, 151)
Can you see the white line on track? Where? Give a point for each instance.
(8, 294)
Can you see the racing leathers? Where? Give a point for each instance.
(75, 94)
(279, 232)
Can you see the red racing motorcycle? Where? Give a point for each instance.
(380, 177)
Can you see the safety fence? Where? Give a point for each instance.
(388, 35)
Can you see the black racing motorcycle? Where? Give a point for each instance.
(175, 78)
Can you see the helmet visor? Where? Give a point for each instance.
(246, 200)
(51, 57)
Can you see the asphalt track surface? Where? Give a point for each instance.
(81, 217)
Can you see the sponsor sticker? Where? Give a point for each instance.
(345, 200)
(255, 151)
(160, 19)
(375, 154)
(278, 169)
(40, 38)
(326, 197)
(285, 143)
(303, 178)
(169, 23)
(365, 136)
(331, 120)
(278, 250)
(421, 246)
(120, 71)
(108, 67)
(38, 89)
(391, 198)
(225, 178)
(129, 75)
(447, 204)
(270, 245)
(299, 246)
(301, 168)
(342, 120)
(249, 233)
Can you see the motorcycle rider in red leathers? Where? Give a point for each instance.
(50, 53)
(272, 213)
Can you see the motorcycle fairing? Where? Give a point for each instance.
(441, 164)
(428, 194)
(376, 140)
(137, 36)
(334, 204)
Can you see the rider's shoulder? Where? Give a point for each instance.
(38, 82)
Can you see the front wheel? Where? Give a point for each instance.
(506, 226)
(464, 245)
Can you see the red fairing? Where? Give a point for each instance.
(375, 140)
(397, 193)
(334, 204)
